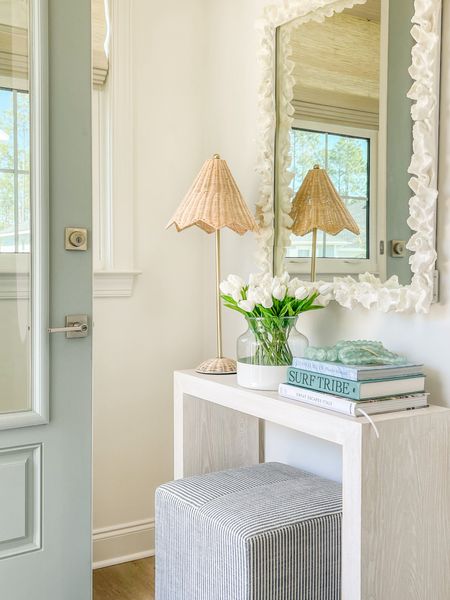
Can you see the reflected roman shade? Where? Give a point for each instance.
(334, 83)
(14, 46)
(13, 52)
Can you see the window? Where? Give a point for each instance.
(14, 171)
(347, 161)
(349, 156)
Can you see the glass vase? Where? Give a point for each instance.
(266, 349)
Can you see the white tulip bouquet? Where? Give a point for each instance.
(271, 306)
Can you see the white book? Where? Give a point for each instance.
(358, 372)
(350, 407)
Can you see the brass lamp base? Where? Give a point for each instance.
(217, 366)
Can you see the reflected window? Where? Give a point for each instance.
(347, 159)
(14, 171)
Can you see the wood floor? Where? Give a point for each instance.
(129, 581)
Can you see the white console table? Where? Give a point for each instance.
(396, 489)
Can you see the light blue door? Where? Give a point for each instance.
(45, 378)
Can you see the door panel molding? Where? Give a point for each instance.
(20, 514)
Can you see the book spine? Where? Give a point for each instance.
(317, 399)
(326, 369)
(320, 382)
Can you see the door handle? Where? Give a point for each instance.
(76, 326)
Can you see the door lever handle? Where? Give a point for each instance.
(76, 326)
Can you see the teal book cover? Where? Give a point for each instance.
(324, 383)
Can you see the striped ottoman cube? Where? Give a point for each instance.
(267, 532)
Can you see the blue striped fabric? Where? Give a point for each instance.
(268, 532)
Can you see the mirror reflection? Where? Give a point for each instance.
(15, 227)
(342, 107)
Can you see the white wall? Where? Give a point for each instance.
(140, 340)
(195, 89)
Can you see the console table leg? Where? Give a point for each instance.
(211, 438)
(405, 509)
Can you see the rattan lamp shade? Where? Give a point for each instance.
(317, 205)
(214, 201)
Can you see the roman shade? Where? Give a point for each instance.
(100, 62)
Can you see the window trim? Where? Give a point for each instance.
(113, 181)
(113, 240)
(376, 262)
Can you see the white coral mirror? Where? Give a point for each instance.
(356, 91)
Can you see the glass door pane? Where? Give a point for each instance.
(15, 208)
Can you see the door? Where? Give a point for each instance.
(45, 378)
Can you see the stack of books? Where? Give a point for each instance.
(354, 389)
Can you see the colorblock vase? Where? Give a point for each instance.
(265, 351)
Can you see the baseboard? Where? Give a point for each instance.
(123, 543)
(101, 564)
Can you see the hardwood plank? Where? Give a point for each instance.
(128, 581)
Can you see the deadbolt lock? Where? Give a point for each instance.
(75, 238)
(398, 248)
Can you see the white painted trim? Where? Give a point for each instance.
(121, 136)
(114, 284)
(368, 290)
(101, 564)
(104, 533)
(113, 155)
(115, 533)
(382, 140)
(107, 284)
(39, 147)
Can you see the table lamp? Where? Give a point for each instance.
(213, 202)
(317, 205)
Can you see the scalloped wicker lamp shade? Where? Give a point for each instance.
(213, 202)
(317, 205)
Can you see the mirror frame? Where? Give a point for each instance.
(367, 290)
(38, 414)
